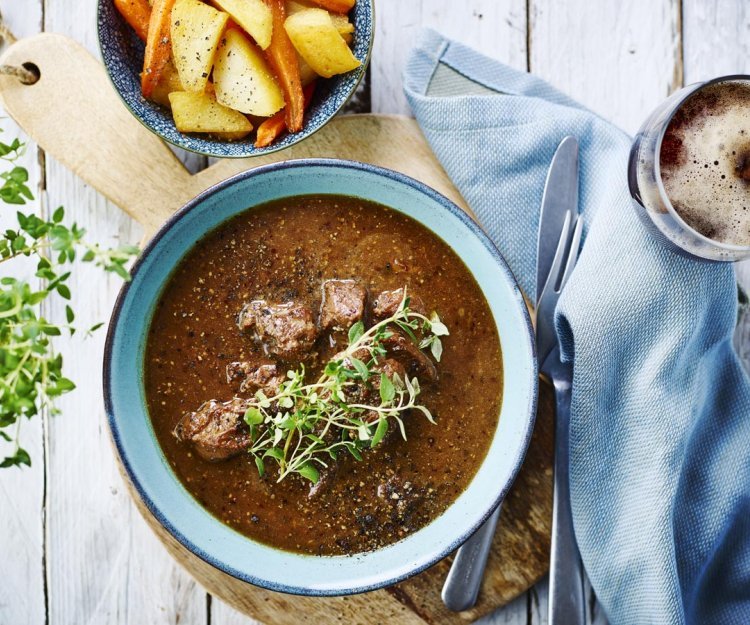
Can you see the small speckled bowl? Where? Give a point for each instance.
(150, 472)
(122, 52)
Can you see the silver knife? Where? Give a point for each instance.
(560, 196)
(560, 230)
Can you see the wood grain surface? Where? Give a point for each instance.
(74, 550)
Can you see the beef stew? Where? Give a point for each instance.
(279, 289)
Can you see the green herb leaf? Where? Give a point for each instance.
(260, 465)
(363, 432)
(17, 459)
(356, 332)
(253, 416)
(64, 385)
(387, 390)
(426, 413)
(274, 453)
(360, 367)
(436, 347)
(409, 331)
(309, 472)
(437, 327)
(379, 432)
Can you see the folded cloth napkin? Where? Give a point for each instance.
(660, 425)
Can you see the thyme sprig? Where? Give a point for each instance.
(305, 425)
(31, 370)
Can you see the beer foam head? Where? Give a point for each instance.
(705, 162)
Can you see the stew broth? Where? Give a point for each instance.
(284, 251)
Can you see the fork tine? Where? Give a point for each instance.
(559, 259)
(575, 244)
(545, 310)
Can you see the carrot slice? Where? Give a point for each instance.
(337, 6)
(283, 59)
(158, 45)
(271, 128)
(136, 14)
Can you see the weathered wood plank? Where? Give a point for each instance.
(716, 38)
(223, 614)
(495, 27)
(22, 593)
(618, 58)
(104, 564)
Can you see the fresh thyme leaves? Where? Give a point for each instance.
(349, 409)
(31, 372)
(433, 340)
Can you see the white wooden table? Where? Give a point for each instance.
(73, 549)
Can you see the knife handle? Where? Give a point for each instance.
(566, 597)
(461, 588)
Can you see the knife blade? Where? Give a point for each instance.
(560, 197)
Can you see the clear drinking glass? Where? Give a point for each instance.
(647, 188)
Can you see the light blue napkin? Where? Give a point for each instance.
(660, 431)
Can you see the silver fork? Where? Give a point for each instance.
(566, 600)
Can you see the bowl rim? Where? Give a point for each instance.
(361, 72)
(530, 344)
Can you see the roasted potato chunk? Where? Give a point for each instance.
(200, 112)
(315, 37)
(243, 80)
(169, 82)
(252, 15)
(340, 21)
(196, 31)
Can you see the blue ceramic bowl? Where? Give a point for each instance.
(122, 52)
(147, 466)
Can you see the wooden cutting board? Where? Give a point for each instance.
(92, 133)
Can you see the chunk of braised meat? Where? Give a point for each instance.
(285, 330)
(386, 303)
(256, 376)
(217, 429)
(343, 304)
(393, 369)
(414, 360)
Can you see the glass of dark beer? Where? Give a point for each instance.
(689, 169)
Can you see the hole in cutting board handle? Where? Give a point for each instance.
(27, 74)
(34, 69)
